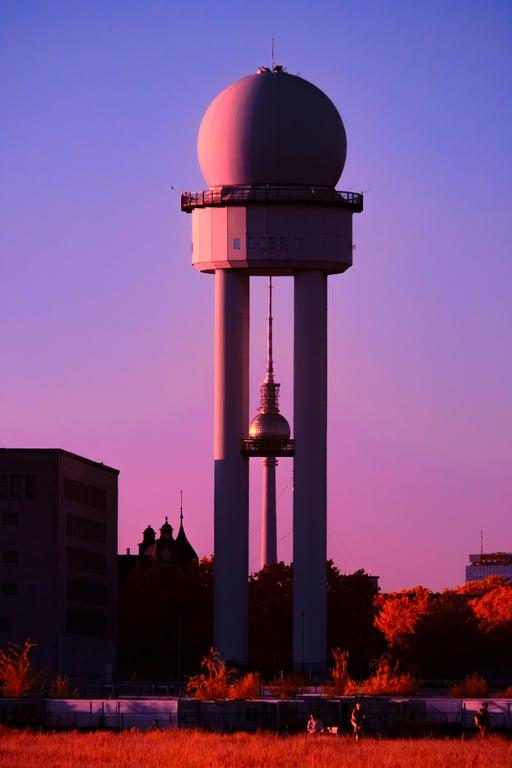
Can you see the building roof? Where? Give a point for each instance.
(62, 452)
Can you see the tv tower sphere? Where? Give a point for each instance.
(271, 147)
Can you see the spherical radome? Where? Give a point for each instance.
(272, 128)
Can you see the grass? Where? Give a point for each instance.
(196, 749)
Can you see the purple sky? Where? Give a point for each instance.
(107, 329)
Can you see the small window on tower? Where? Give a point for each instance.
(251, 242)
(30, 486)
(3, 486)
(10, 556)
(9, 590)
(298, 243)
(16, 486)
(5, 623)
(236, 243)
(262, 243)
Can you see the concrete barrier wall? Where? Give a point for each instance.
(384, 715)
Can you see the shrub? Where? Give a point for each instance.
(16, 673)
(61, 688)
(246, 687)
(341, 681)
(218, 681)
(213, 681)
(472, 685)
(287, 687)
(386, 679)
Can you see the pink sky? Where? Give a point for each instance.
(107, 330)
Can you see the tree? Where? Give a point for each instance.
(165, 620)
(16, 673)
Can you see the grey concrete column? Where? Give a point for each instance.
(310, 467)
(231, 498)
(268, 512)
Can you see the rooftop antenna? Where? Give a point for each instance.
(181, 507)
(481, 543)
(273, 53)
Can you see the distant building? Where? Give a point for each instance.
(58, 546)
(170, 552)
(490, 564)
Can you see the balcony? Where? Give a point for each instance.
(269, 195)
(258, 447)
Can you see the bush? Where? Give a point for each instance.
(385, 680)
(16, 673)
(61, 688)
(287, 687)
(341, 681)
(246, 687)
(472, 686)
(218, 681)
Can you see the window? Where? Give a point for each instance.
(3, 486)
(10, 518)
(83, 493)
(82, 623)
(272, 243)
(262, 243)
(30, 486)
(5, 623)
(10, 556)
(298, 243)
(85, 560)
(283, 245)
(9, 589)
(86, 592)
(16, 486)
(236, 243)
(251, 242)
(83, 528)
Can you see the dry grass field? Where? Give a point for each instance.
(191, 749)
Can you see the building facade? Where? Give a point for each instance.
(58, 548)
(491, 564)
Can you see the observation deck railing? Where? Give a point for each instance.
(260, 447)
(269, 194)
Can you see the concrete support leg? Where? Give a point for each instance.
(310, 467)
(231, 500)
(268, 512)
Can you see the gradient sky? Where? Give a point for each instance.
(107, 332)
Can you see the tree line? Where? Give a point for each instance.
(165, 624)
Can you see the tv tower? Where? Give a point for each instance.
(271, 147)
(269, 436)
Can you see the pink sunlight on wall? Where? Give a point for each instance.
(107, 330)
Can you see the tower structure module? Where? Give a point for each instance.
(271, 147)
(269, 437)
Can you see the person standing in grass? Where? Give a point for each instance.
(482, 720)
(357, 720)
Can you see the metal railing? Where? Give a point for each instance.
(259, 447)
(268, 194)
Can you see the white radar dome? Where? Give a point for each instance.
(272, 128)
